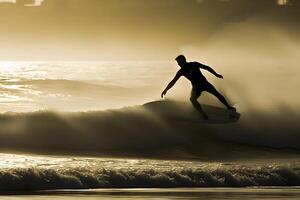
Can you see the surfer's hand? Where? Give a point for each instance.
(220, 76)
(163, 94)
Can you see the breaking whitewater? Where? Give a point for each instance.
(139, 147)
(24, 172)
(74, 143)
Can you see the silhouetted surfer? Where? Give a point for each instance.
(191, 71)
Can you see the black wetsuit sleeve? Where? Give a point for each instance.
(178, 74)
(201, 66)
(208, 68)
(174, 80)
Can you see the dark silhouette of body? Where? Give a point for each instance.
(191, 71)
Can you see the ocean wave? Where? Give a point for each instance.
(162, 131)
(67, 95)
(80, 178)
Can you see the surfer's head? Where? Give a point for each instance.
(181, 60)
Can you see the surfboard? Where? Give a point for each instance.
(184, 112)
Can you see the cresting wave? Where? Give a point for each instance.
(146, 131)
(80, 178)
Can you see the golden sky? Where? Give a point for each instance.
(132, 29)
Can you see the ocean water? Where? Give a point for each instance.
(32, 172)
(79, 86)
(71, 177)
(269, 193)
(108, 146)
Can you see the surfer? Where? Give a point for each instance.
(191, 71)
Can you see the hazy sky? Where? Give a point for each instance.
(137, 29)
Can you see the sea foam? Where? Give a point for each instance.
(39, 173)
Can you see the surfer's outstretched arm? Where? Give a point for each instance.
(210, 70)
(172, 83)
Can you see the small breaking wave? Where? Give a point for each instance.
(82, 178)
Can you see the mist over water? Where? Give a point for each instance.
(261, 95)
